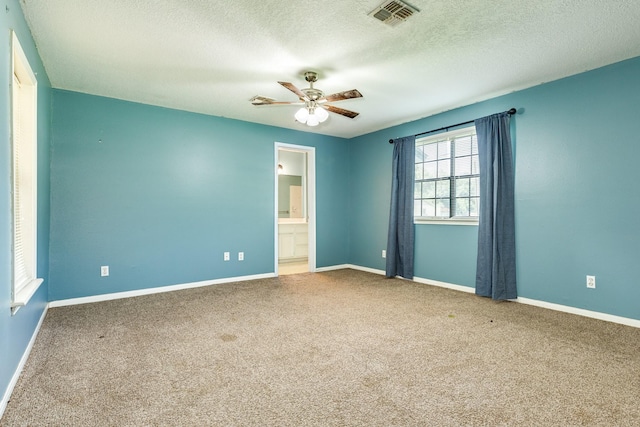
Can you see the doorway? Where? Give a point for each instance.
(295, 233)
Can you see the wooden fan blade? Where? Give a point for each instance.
(263, 100)
(295, 90)
(341, 111)
(340, 96)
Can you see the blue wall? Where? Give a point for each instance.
(166, 192)
(16, 331)
(576, 152)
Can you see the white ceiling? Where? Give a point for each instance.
(212, 56)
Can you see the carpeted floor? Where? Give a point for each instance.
(342, 348)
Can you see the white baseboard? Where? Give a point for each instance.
(351, 266)
(581, 312)
(552, 306)
(170, 288)
(543, 304)
(332, 267)
(445, 285)
(367, 269)
(20, 367)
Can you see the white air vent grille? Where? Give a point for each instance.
(393, 12)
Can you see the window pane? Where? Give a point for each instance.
(443, 188)
(474, 186)
(463, 146)
(419, 154)
(475, 163)
(474, 206)
(429, 190)
(430, 170)
(444, 150)
(462, 207)
(438, 192)
(462, 187)
(419, 174)
(463, 165)
(428, 207)
(442, 207)
(444, 168)
(430, 152)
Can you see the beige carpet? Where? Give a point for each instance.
(343, 348)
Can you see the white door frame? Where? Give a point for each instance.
(311, 200)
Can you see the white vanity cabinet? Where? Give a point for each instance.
(293, 242)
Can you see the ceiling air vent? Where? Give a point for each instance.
(393, 12)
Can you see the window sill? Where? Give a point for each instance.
(23, 296)
(452, 221)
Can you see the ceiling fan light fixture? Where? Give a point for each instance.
(312, 120)
(321, 114)
(302, 115)
(311, 115)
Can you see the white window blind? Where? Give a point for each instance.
(24, 166)
(21, 277)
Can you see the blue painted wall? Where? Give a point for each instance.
(159, 195)
(16, 331)
(576, 152)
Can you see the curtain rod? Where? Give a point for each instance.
(511, 112)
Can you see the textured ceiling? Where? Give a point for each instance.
(212, 56)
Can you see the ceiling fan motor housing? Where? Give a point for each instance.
(312, 93)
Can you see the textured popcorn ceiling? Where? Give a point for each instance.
(212, 56)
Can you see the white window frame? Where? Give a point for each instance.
(452, 220)
(24, 146)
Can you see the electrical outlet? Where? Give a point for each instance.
(384, 253)
(591, 282)
(240, 256)
(227, 256)
(104, 270)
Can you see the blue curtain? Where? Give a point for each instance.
(496, 267)
(401, 233)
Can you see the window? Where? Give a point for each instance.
(24, 171)
(447, 177)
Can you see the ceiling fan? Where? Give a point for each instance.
(315, 103)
